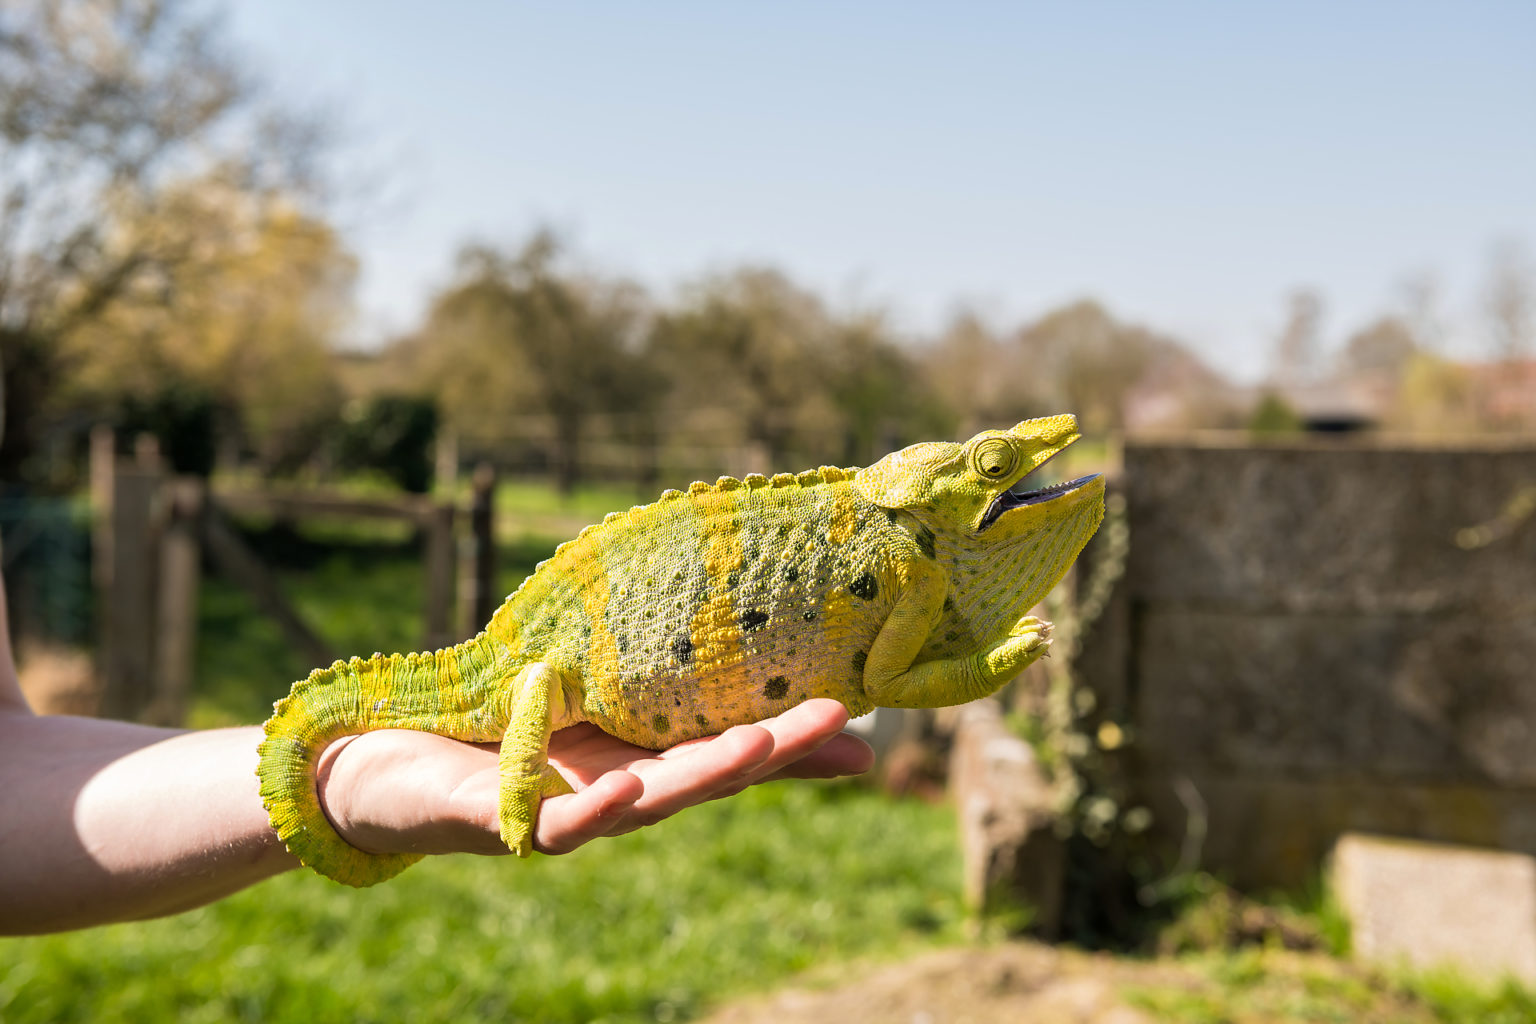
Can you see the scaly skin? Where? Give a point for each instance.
(898, 585)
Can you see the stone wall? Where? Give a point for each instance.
(1312, 635)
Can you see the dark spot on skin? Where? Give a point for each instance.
(703, 722)
(949, 603)
(733, 580)
(890, 514)
(809, 616)
(753, 619)
(859, 658)
(951, 636)
(792, 573)
(661, 723)
(682, 649)
(677, 702)
(776, 688)
(925, 542)
(864, 587)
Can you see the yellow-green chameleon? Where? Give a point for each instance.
(904, 584)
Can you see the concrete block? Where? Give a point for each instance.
(1427, 905)
(1409, 697)
(1315, 527)
(1011, 855)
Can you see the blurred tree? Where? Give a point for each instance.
(753, 345)
(1436, 396)
(1510, 302)
(1419, 302)
(1089, 359)
(1382, 348)
(884, 401)
(1274, 416)
(243, 314)
(184, 418)
(1297, 349)
(513, 336)
(391, 434)
(982, 381)
(101, 103)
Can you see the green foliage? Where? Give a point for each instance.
(182, 416)
(393, 435)
(1274, 416)
(657, 925)
(1454, 997)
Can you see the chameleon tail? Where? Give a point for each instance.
(351, 697)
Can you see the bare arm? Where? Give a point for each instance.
(104, 821)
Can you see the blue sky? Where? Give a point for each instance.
(1188, 164)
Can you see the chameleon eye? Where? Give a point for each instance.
(993, 457)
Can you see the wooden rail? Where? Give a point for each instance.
(152, 530)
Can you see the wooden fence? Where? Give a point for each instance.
(155, 532)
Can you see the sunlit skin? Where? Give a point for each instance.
(905, 584)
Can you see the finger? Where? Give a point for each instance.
(570, 820)
(843, 754)
(800, 732)
(676, 779)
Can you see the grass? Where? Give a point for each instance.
(1269, 986)
(657, 925)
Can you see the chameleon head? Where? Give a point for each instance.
(978, 489)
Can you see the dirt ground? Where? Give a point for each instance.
(1024, 981)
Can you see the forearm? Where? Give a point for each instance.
(116, 821)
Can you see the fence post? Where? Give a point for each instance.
(128, 588)
(437, 521)
(477, 555)
(181, 555)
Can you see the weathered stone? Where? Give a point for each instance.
(1428, 904)
(1314, 639)
(1263, 832)
(1409, 697)
(1311, 528)
(1012, 857)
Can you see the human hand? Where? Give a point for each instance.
(396, 791)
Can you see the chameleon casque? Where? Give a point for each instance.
(904, 584)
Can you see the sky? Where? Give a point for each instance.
(1187, 164)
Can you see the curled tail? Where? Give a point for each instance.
(415, 691)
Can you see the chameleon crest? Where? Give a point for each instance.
(904, 584)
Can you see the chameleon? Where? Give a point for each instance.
(907, 583)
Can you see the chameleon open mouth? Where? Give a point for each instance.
(1020, 497)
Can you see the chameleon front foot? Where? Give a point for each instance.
(1026, 641)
